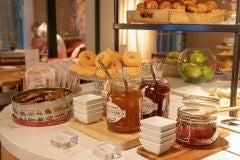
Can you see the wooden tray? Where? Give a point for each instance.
(175, 16)
(100, 132)
(183, 152)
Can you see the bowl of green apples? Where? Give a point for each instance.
(197, 65)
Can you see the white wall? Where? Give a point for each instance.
(106, 24)
(90, 24)
(27, 22)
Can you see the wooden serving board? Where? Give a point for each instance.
(183, 152)
(100, 132)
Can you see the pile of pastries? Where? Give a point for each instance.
(88, 63)
(188, 5)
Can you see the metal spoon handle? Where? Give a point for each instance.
(104, 69)
(153, 71)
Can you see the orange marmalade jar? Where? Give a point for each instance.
(123, 107)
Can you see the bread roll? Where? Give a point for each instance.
(211, 6)
(202, 8)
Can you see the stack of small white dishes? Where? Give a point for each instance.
(157, 134)
(88, 108)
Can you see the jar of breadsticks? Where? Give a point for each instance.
(123, 106)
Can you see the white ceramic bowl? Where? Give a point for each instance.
(88, 119)
(88, 111)
(170, 70)
(158, 140)
(87, 107)
(156, 148)
(158, 124)
(157, 134)
(88, 99)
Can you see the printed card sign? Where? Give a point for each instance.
(31, 57)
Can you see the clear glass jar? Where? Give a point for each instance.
(194, 128)
(40, 76)
(156, 94)
(123, 107)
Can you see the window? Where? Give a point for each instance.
(11, 23)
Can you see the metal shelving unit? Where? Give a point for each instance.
(233, 28)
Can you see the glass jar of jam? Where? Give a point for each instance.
(195, 128)
(123, 107)
(156, 93)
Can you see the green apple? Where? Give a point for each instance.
(197, 57)
(171, 61)
(207, 72)
(192, 70)
(173, 55)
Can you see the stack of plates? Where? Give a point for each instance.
(157, 134)
(88, 108)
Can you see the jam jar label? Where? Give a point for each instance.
(148, 106)
(114, 112)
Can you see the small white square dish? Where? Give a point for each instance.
(93, 106)
(88, 111)
(156, 148)
(158, 124)
(88, 99)
(88, 119)
(157, 134)
(158, 140)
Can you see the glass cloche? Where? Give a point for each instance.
(197, 65)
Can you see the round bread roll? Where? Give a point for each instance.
(133, 71)
(131, 59)
(114, 54)
(189, 2)
(202, 8)
(211, 5)
(165, 5)
(178, 5)
(152, 5)
(87, 58)
(140, 6)
(101, 74)
(115, 64)
(192, 8)
(86, 71)
(105, 57)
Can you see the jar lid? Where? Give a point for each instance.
(197, 113)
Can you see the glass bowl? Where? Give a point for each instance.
(197, 65)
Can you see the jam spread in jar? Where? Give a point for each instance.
(123, 107)
(196, 129)
(155, 98)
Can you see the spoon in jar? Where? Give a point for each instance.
(124, 74)
(207, 111)
(153, 71)
(104, 69)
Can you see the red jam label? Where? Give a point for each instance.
(114, 112)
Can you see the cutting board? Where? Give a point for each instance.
(100, 132)
(183, 152)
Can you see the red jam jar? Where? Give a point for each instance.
(156, 93)
(155, 98)
(123, 107)
(194, 128)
